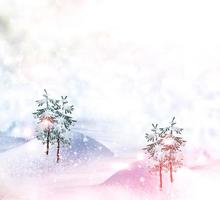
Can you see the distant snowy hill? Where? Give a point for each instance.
(30, 158)
(84, 148)
(7, 142)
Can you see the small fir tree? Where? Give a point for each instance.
(54, 122)
(173, 144)
(164, 149)
(45, 117)
(154, 151)
(64, 123)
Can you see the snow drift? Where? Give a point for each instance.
(136, 177)
(30, 158)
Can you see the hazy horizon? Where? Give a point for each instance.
(123, 64)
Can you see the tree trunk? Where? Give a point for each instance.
(48, 141)
(171, 171)
(58, 149)
(171, 168)
(161, 178)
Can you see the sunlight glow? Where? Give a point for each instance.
(46, 123)
(168, 141)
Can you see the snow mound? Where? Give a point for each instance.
(136, 177)
(30, 159)
(199, 183)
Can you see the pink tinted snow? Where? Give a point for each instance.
(136, 177)
(99, 181)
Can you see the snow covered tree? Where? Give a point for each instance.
(154, 151)
(54, 121)
(172, 145)
(63, 124)
(45, 116)
(164, 149)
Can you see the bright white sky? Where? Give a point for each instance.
(124, 64)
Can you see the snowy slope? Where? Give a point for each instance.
(135, 177)
(84, 148)
(128, 184)
(189, 183)
(7, 142)
(30, 158)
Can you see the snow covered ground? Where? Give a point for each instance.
(26, 173)
(111, 178)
